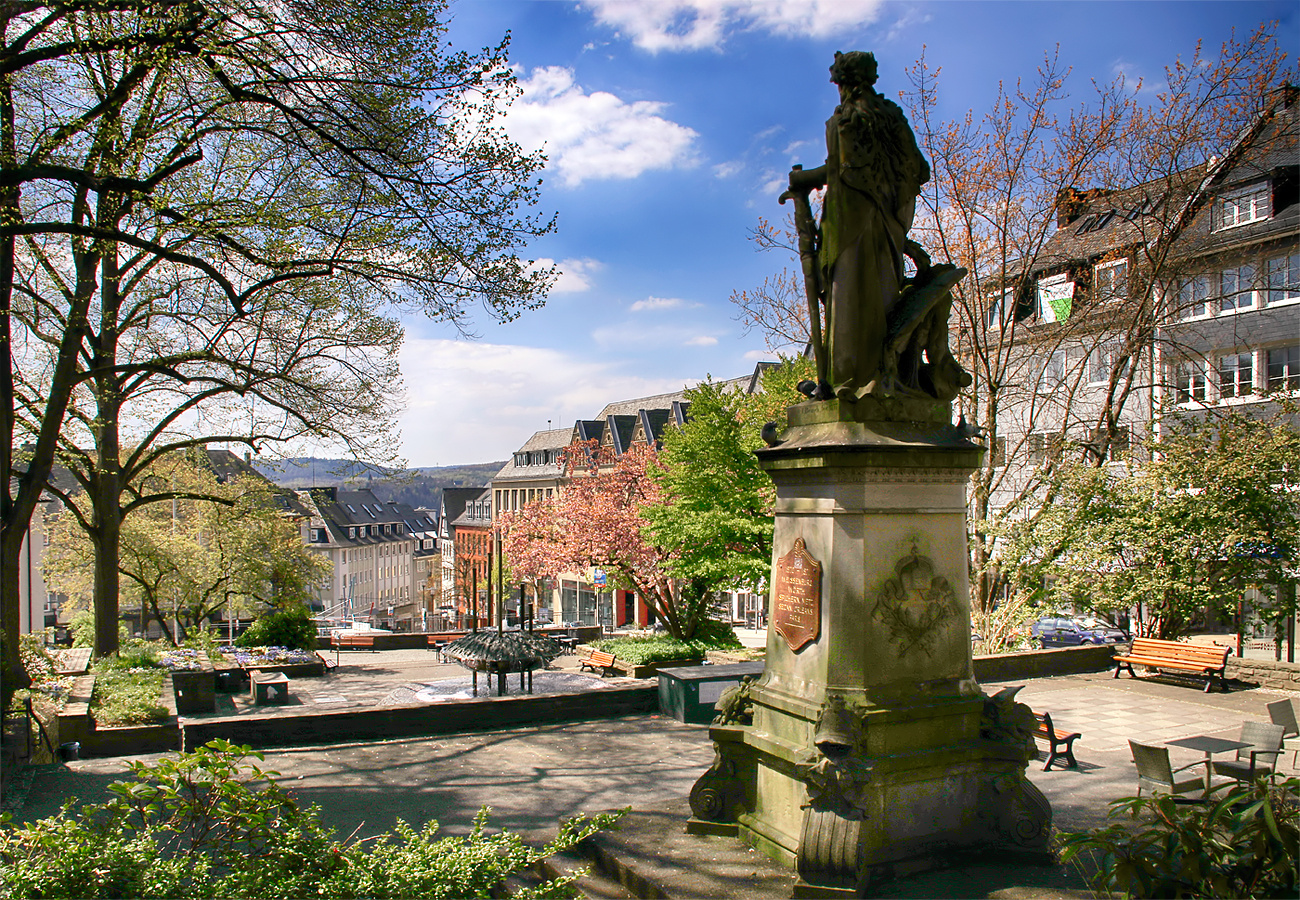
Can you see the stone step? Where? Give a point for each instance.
(594, 885)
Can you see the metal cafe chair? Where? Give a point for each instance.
(1282, 712)
(1156, 773)
(1264, 740)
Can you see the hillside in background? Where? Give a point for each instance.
(420, 487)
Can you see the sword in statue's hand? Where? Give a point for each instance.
(806, 228)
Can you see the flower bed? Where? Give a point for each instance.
(183, 659)
(128, 697)
(265, 657)
(294, 663)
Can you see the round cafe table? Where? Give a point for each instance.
(1209, 746)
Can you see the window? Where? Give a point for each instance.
(1193, 297)
(1110, 281)
(1237, 288)
(1284, 279)
(1116, 444)
(1236, 375)
(1102, 362)
(352, 533)
(999, 311)
(1044, 446)
(1241, 207)
(1190, 382)
(1284, 369)
(1053, 372)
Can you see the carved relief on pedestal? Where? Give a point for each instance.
(714, 794)
(915, 604)
(1007, 722)
(837, 774)
(736, 705)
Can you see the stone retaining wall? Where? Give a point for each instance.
(1267, 673)
(286, 729)
(1045, 663)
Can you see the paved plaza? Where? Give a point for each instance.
(535, 775)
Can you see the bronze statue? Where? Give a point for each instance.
(886, 334)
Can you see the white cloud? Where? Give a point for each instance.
(640, 334)
(702, 340)
(656, 25)
(727, 169)
(595, 136)
(476, 402)
(761, 356)
(794, 147)
(656, 304)
(575, 274)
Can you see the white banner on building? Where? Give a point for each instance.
(1055, 298)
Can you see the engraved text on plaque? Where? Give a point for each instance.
(796, 601)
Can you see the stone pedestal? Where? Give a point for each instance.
(867, 750)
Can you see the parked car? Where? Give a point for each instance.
(1073, 631)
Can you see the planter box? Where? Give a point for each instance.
(195, 690)
(690, 694)
(651, 670)
(293, 670)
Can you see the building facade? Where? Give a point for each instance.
(371, 546)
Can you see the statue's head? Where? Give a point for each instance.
(854, 69)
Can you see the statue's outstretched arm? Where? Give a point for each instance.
(804, 180)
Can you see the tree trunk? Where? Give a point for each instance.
(106, 480)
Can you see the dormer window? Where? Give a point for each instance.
(1242, 206)
(1110, 280)
(352, 533)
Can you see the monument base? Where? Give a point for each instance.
(867, 751)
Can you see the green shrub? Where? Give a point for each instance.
(640, 650)
(213, 824)
(291, 628)
(82, 627)
(1243, 844)
(714, 635)
(135, 654)
(205, 642)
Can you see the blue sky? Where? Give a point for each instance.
(670, 126)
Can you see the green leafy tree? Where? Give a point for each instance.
(1212, 512)
(219, 545)
(209, 212)
(715, 511)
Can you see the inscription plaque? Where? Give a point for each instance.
(796, 600)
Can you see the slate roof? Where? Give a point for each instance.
(454, 501)
(227, 466)
(554, 440)
(374, 521)
(468, 518)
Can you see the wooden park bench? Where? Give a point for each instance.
(598, 660)
(354, 642)
(1196, 660)
(1055, 739)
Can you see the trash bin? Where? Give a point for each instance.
(270, 688)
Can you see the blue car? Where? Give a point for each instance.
(1073, 631)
